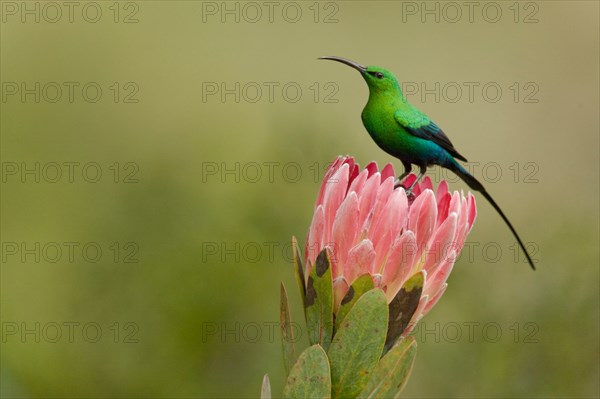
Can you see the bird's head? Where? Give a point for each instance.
(378, 79)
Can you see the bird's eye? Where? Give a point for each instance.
(379, 75)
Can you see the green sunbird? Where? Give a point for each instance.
(406, 133)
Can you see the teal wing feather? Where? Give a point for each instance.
(419, 125)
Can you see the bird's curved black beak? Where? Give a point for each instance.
(352, 64)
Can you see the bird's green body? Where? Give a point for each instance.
(378, 119)
(406, 133)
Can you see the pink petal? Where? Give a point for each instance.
(472, 210)
(422, 218)
(462, 228)
(442, 189)
(454, 203)
(400, 262)
(367, 198)
(443, 203)
(334, 195)
(384, 191)
(434, 299)
(372, 168)
(426, 184)
(386, 226)
(353, 171)
(345, 230)
(360, 261)
(437, 279)
(359, 182)
(416, 190)
(387, 171)
(314, 240)
(333, 167)
(442, 243)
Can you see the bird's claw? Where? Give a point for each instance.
(408, 190)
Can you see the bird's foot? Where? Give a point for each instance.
(398, 183)
(408, 190)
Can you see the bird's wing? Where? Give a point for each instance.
(419, 125)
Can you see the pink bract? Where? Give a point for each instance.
(371, 228)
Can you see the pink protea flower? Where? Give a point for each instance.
(371, 228)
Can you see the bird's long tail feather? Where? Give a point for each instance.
(474, 184)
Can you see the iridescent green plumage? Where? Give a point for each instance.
(406, 133)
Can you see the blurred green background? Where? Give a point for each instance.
(211, 133)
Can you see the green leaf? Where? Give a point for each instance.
(319, 302)
(403, 307)
(358, 344)
(298, 269)
(310, 377)
(392, 371)
(287, 333)
(361, 285)
(265, 390)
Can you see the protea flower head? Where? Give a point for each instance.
(368, 227)
(375, 261)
